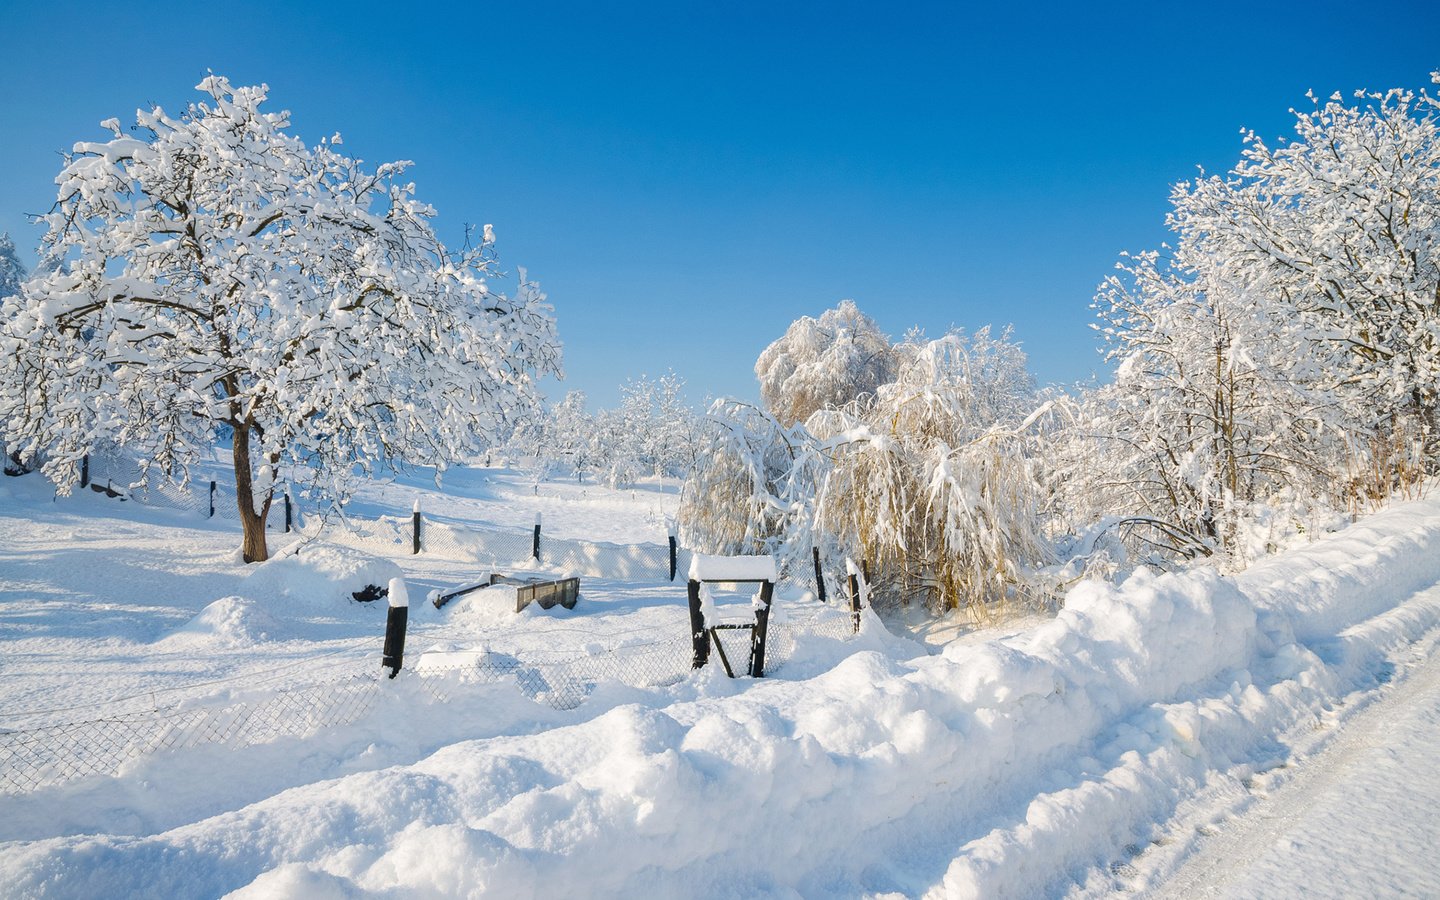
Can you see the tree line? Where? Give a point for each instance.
(1276, 366)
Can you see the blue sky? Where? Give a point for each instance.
(684, 180)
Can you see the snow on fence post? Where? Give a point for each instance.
(393, 655)
(535, 546)
(819, 575)
(289, 512)
(212, 499)
(853, 572)
(415, 529)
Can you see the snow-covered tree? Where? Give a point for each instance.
(659, 425)
(1286, 351)
(570, 434)
(825, 362)
(753, 484)
(12, 271)
(929, 480)
(12, 274)
(1340, 227)
(219, 277)
(932, 483)
(1213, 410)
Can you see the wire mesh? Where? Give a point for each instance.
(563, 678)
(55, 752)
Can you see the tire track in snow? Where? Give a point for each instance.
(1225, 858)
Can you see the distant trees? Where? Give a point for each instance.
(12, 271)
(218, 277)
(12, 274)
(653, 431)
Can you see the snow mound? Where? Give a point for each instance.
(485, 608)
(320, 577)
(232, 622)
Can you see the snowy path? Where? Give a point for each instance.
(1357, 819)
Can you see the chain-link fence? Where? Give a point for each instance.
(37, 750)
(100, 740)
(393, 537)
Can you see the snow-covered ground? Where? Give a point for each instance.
(1112, 748)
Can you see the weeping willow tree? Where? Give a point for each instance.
(932, 485)
(928, 482)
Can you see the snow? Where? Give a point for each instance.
(1353, 820)
(1087, 753)
(708, 567)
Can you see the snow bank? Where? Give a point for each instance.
(1017, 767)
(1358, 573)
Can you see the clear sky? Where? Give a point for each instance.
(685, 179)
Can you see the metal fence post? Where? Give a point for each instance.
(757, 634)
(699, 637)
(854, 573)
(212, 499)
(415, 529)
(85, 471)
(672, 529)
(535, 546)
(393, 655)
(819, 575)
(289, 513)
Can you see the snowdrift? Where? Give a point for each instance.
(1017, 767)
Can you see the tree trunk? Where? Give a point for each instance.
(252, 524)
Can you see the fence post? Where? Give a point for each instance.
(757, 634)
(819, 575)
(535, 546)
(415, 529)
(289, 513)
(854, 573)
(85, 471)
(699, 637)
(672, 528)
(212, 499)
(394, 653)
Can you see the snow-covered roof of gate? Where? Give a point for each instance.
(704, 567)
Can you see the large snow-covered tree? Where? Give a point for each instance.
(1340, 227)
(826, 362)
(1214, 410)
(220, 279)
(928, 479)
(931, 483)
